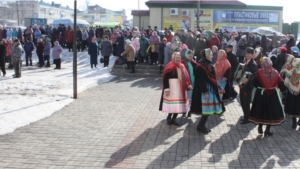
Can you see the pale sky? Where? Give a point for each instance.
(290, 8)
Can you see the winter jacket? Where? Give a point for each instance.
(8, 49)
(99, 32)
(37, 34)
(169, 38)
(242, 45)
(49, 32)
(280, 61)
(14, 34)
(40, 49)
(56, 52)
(120, 45)
(28, 47)
(20, 36)
(85, 35)
(8, 34)
(78, 35)
(251, 42)
(136, 44)
(47, 49)
(16, 53)
(290, 44)
(154, 40)
(107, 33)
(168, 55)
(190, 42)
(214, 42)
(129, 53)
(2, 53)
(144, 44)
(199, 46)
(106, 48)
(4, 34)
(91, 35)
(70, 36)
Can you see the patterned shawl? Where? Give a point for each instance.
(293, 77)
(222, 65)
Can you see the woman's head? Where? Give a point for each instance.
(189, 55)
(154, 33)
(94, 39)
(176, 57)
(267, 65)
(206, 54)
(105, 38)
(214, 49)
(221, 53)
(56, 43)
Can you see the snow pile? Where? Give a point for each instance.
(42, 91)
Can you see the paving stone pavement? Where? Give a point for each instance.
(118, 125)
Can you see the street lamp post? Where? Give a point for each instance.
(75, 53)
(198, 11)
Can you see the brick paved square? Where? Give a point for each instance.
(118, 125)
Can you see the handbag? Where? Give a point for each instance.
(152, 48)
(238, 72)
(101, 60)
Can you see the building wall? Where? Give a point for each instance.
(141, 21)
(157, 16)
(56, 13)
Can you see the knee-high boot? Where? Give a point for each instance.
(173, 121)
(201, 126)
(169, 118)
(260, 129)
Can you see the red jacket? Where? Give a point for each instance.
(214, 42)
(70, 36)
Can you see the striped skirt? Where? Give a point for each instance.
(174, 103)
(222, 85)
(212, 105)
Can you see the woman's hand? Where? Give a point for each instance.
(224, 79)
(206, 96)
(167, 93)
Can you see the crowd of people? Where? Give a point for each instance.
(201, 80)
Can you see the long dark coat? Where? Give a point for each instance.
(93, 52)
(200, 86)
(120, 46)
(2, 55)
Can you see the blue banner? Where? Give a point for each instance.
(230, 16)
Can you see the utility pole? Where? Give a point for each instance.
(198, 12)
(17, 2)
(139, 4)
(75, 53)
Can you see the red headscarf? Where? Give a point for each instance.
(222, 65)
(185, 77)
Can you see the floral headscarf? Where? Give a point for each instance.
(293, 77)
(288, 65)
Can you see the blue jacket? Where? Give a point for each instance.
(47, 49)
(28, 47)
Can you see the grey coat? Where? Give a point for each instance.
(56, 52)
(106, 48)
(168, 55)
(16, 53)
(242, 45)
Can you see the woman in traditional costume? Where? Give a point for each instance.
(176, 82)
(223, 70)
(292, 106)
(190, 66)
(287, 66)
(205, 99)
(267, 108)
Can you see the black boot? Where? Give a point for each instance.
(169, 119)
(201, 126)
(267, 131)
(189, 114)
(294, 125)
(260, 129)
(173, 121)
(299, 122)
(160, 69)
